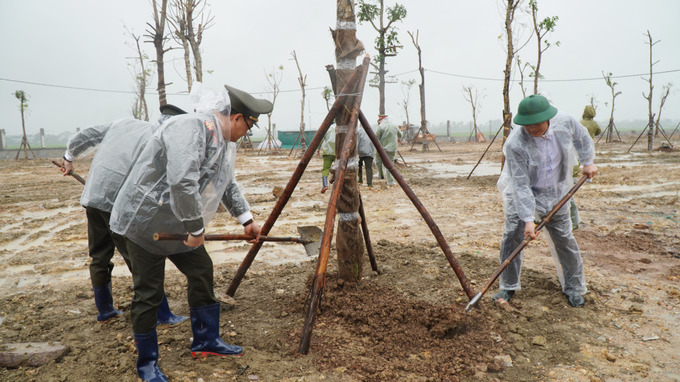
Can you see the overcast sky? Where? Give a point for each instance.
(55, 50)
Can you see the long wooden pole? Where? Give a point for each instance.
(464, 282)
(487, 149)
(367, 237)
(324, 252)
(292, 183)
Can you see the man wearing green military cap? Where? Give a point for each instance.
(536, 175)
(176, 185)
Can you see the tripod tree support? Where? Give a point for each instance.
(292, 183)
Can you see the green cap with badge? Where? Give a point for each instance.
(534, 109)
(246, 104)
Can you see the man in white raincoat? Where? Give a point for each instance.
(389, 134)
(181, 176)
(536, 176)
(118, 144)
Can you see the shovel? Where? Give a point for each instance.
(524, 243)
(310, 238)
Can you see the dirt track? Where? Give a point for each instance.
(405, 324)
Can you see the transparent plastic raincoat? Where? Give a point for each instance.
(388, 133)
(525, 201)
(364, 145)
(179, 179)
(328, 142)
(118, 144)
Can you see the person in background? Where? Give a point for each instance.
(593, 129)
(536, 176)
(118, 144)
(328, 153)
(366, 150)
(389, 134)
(176, 185)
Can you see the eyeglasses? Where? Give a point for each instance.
(245, 119)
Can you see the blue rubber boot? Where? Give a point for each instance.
(103, 299)
(324, 184)
(205, 324)
(165, 317)
(147, 357)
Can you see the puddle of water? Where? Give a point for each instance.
(448, 170)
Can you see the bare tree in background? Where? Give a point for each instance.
(541, 29)
(666, 90)
(510, 7)
(141, 73)
(650, 123)
(327, 94)
(156, 32)
(611, 127)
(190, 18)
(387, 42)
(23, 105)
(302, 80)
(472, 96)
(521, 67)
(407, 98)
(274, 80)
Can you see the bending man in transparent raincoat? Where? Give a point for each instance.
(118, 144)
(181, 176)
(536, 176)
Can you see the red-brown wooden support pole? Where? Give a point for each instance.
(367, 237)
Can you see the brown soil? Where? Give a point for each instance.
(407, 323)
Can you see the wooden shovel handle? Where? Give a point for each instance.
(222, 237)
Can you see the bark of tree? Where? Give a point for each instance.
(302, 80)
(507, 114)
(141, 110)
(421, 86)
(349, 242)
(157, 34)
(186, 14)
(650, 122)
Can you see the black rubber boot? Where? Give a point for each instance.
(103, 299)
(575, 300)
(165, 317)
(147, 357)
(205, 324)
(504, 294)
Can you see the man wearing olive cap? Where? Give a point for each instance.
(536, 176)
(176, 185)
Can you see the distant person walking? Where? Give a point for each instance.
(366, 150)
(389, 134)
(593, 129)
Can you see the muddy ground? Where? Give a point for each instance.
(406, 324)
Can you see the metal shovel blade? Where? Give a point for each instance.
(473, 302)
(310, 237)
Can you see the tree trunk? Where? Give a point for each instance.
(349, 243)
(507, 114)
(158, 39)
